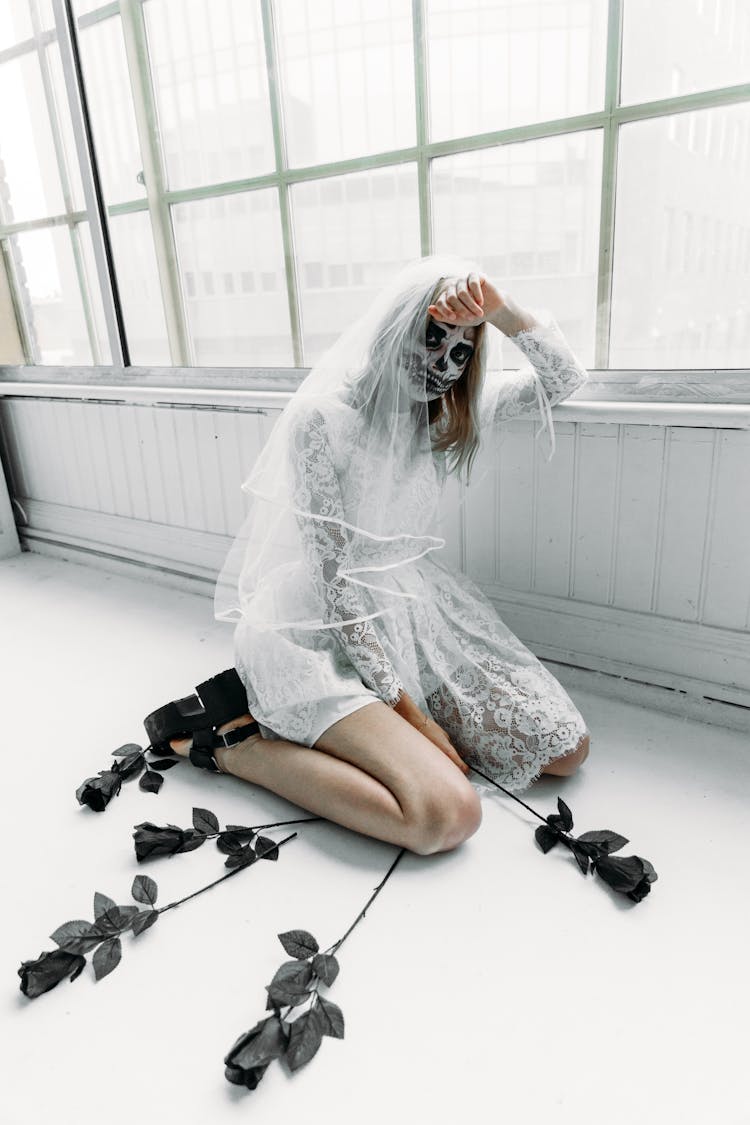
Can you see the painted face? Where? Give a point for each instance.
(441, 361)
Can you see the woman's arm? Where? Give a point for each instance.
(556, 371)
(326, 544)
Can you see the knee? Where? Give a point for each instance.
(449, 821)
(564, 767)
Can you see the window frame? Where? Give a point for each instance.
(675, 385)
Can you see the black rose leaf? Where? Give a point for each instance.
(144, 889)
(288, 992)
(107, 957)
(163, 763)
(228, 843)
(240, 830)
(631, 875)
(116, 919)
(102, 903)
(605, 840)
(546, 837)
(306, 1036)
(151, 782)
(331, 1018)
(265, 848)
(582, 856)
(47, 970)
(144, 919)
(205, 821)
(563, 818)
(127, 749)
(298, 943)
(97, 792)
(242, 858)
(326, 967)
(77, 936)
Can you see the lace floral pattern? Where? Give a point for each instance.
(448, 648)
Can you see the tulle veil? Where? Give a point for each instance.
(352, 417)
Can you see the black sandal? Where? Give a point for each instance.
(219, 700)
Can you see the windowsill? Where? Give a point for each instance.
(620, 397)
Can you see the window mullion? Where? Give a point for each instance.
(609, 186)
(144, 108)
(279, 147)
(422, 103)
(92, 189)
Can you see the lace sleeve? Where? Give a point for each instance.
(555, 372)
(326, 546)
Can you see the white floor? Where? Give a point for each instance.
(488, 983)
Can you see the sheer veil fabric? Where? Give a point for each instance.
(360, 409)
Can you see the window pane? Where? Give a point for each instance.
(47, 274)
(250, 327)
(347, 78)
(15, 23)
(110, 102)
(378, 232)
(138, 283)
(210, 82)
(675, 47)
(494, 64)
(682, 255)
(529, 212)
(31, 188)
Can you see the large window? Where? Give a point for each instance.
(264, 165)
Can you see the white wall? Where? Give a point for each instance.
(629, 552)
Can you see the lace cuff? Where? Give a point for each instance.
(554, 374)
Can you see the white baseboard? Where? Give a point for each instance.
(587, 669)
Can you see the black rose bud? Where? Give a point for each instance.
(97, 792)
(249, 1056)
(48, 970)
(151, 840)
(631, 875)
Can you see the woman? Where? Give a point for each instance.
(377, 675)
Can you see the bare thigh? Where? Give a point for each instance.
(423, 779)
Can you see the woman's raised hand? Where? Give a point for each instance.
(467, 301)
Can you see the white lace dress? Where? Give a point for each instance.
(502, 709)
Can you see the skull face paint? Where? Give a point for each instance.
(441, 361)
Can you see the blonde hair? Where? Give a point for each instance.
(457, 411)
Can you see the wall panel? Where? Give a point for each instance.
(628, 552)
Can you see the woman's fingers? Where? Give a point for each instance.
(465, 295)
(461, 299)
(435, 733)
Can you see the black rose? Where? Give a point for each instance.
(97, 792)
(249, 1057)
(631, 875)
(152, 840)
(48, 970)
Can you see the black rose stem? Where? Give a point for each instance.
(631, 875)
(78, 937)
(294, 982)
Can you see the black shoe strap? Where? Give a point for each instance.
(206, 740)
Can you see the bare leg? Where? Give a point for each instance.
(564, 767)
(370, 771)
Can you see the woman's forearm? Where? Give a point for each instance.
(512, 318)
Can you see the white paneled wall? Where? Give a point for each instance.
(629, 552)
